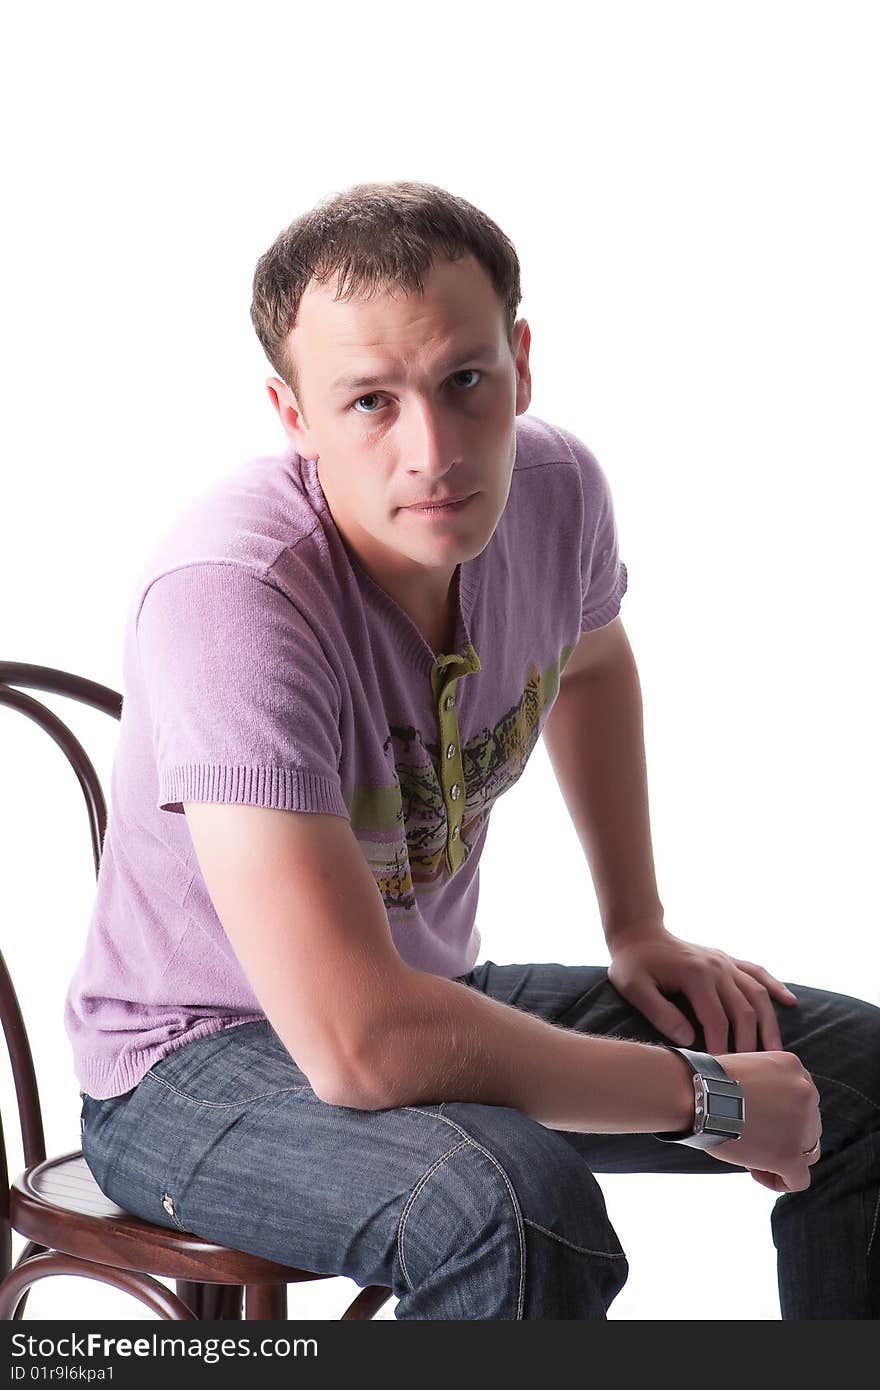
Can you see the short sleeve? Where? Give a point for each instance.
(604, 576)
(243, 702)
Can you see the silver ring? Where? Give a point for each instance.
(808, 1153)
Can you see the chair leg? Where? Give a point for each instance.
(266, 1302)
(211, 1302)
(368, 1302)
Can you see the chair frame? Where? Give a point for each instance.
(114, 1251)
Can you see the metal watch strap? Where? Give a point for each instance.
(717, 1085)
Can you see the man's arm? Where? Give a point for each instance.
(595, 740)
(445, 1041)
(301, 908)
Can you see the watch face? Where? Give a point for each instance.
(719, 1109)
(726, 1105)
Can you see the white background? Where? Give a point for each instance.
(692, 192)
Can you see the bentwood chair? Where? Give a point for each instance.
(69, 1224)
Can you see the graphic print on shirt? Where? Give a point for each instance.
(402, 828)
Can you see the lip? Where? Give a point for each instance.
(441, 508)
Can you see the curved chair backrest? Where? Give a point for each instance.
(49, 681)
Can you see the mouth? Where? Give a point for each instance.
(441, 508)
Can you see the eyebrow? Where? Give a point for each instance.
(357, 383)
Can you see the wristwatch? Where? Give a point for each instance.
(719, 1104)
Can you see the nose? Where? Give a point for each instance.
(431, 443)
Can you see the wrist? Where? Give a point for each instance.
(681, 1096)
(618, 929)
(719, 1104)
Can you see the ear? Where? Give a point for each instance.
(285, 403)
(522, 338)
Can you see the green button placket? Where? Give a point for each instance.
(446, 672)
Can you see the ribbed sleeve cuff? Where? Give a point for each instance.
(280, 788)
(600, 617)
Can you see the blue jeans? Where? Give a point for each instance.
(468, 1210)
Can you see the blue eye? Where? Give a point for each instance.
(373, 395)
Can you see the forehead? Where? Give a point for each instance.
(458, 308)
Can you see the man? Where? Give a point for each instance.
(337, 662)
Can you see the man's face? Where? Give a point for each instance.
(436, 419)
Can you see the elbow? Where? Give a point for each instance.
(366, 1070)
(343, 1091)
(351, 1087)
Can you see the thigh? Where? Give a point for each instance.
(836, 1036)
(226, 1139)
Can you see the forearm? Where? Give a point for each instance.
(595, 740)
(445, 1041)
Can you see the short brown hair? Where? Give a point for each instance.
(375, 236)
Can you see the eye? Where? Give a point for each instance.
(464, 371)
(374, 395)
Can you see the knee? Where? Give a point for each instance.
(509, 1172)
(841, 1049)
(508, 1220)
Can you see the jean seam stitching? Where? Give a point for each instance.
(224, 1104)
(874, 1227)
(582, 1249)
(420, 1183)
(847, 1087)
(511, 1190)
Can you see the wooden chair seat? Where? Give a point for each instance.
(74, 1228)
(59, 1205)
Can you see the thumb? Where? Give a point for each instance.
(665, 1017)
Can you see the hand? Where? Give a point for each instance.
(782, 1135)
(648, 961)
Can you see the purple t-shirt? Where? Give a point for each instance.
(263, 665)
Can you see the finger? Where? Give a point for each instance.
(742, 1015)
(710, 1011)
(771, 1180)
(796, 1175)
(813, 1155)
(660, 1012)
(776, 987)
(768, 1024)
(797, 1179)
